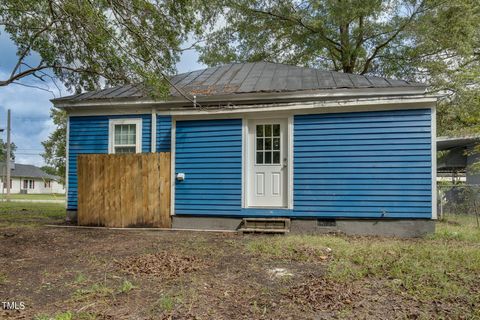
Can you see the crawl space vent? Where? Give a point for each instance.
(326, 223)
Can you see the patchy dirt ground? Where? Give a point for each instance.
(64, 273)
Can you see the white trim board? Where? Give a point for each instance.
(245, 154)
(133, 111)
(290, 128)
(173, 133)
(433, 131)
(153, 132)
(67, 163)
(307, 106)
(267, 113)
(347, 105)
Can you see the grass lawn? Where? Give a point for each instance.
(50, 196)
(109, 274)
(30, 214)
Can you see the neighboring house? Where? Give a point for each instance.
(26, 178)
(271, 140)
(458, 163)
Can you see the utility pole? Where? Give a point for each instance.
(4, 171)
(8, 158)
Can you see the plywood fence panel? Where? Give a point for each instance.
(129, 190)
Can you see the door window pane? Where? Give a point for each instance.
(268, 143)
(276, 130)
(259, 144)
(268, 157)
(268, 130)
(259, 130)
(276, 157)
(259, 157)
(276, 143)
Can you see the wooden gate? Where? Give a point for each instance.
(127, 190)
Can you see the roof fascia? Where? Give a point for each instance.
(344, 105)
(352, 104)
(245, 97)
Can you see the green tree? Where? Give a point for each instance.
(55, 145)
(89, 43)
(3, 151)
(436, 41)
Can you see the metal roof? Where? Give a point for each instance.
(243, 78)
(446, 143)
(30, 171)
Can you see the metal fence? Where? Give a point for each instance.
(458, 199)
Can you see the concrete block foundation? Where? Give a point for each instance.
(404, 228)
(71, 216)
(205, 223)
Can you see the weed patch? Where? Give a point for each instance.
(80, 278)
(291, 248)
(97, 290)
(126, 286)
(427, 269)
(166, 265)
(3, 278)
(321, 294)
(68, 315)
(59, 316)
(457, 227)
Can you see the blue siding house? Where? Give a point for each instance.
(270, 140)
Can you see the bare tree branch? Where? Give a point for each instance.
(382, 45)
(35, 87)
(23, 74)
(300, 23)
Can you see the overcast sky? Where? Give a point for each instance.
(30, 107)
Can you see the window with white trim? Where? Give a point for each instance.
(125, 136)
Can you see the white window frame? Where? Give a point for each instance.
(111, 133)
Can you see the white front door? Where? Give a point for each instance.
(267, 163)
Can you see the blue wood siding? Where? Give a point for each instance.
(365, 164)
(350, 165)
(209, 152)
(164, 130)
(90, 135)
